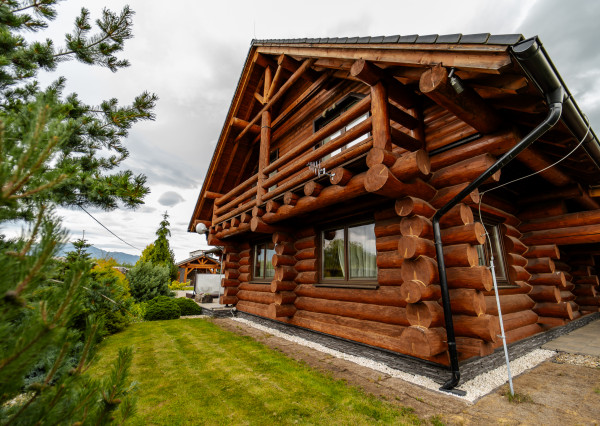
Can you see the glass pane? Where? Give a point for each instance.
(269, 269)
(333, 254)
(497, 251)
(259, 266)
(357, 121)
(362, 255)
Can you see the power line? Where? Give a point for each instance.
(99, 223)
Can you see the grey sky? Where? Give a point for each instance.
(191, 53)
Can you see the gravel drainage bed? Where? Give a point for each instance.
(475, 388)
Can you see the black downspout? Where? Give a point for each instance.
(555, 100)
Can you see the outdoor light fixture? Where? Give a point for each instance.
(201, 228)
(456, 82)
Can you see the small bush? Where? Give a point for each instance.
(188, 306)
(162, 308)
(176, 285)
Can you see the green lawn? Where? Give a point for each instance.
(192, 372)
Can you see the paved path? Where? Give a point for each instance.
(583, 341)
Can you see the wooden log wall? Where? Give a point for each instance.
(585, 288)
(235, 268)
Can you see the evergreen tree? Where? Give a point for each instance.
(79, 251)
(159, 252)
(55, 150)
(148, 280)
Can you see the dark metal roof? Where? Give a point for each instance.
(482, 38)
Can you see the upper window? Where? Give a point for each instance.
(348, 255)
(334, 112)
(263, 269)
(497, 250)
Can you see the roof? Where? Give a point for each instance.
(198, 256)
(412, 53)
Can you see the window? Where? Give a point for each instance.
(348, 255)
(334, 112)
(263, 269)
(497, 249)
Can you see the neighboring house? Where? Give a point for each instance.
(336, 154)
(198, 264)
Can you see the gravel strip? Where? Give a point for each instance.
(475, 388)
(575, 359)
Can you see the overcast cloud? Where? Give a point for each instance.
(191, 54)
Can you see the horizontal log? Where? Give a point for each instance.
(305, 233)
(372, 333)
(285, 273)
(385, 314)
(418, 226)
(389, 243)
(305, 243)
(283, 260)
(245, 218)
(380, 180)
(384, 214)
(312, 188)
(562, 221)
(245, 277)
(460, 255)
(281, 311)
(545, 293)
(507, 229)
(387, 227)
(411, 165)
(386, 296)
(516, 259)
(285, 249)
(556, 279)
(309, 277)
(389, 259)
(259, 309)
(459, 215)
(244, 269)
(486, 327)
(414, 206)
(256, 296)
(593, 279)
(520, 334)
(559, 310)
(390, 277)
(228, 300)
(231, 291)
(404, 140)
(231, 274)
(473, 233)
(585, 290)
(290, 198)
(426, 314)
(464, 171)
(547, 250)
(551, 321)
(518, 273)
(564, 236)
(514, 245)
(306, 265)
(253, 287)
(467, 301)
(423, 342)
(232, 257)
(272, 206)
(415, 291)
(520, 319)
(445, 195)
(410, 247)
(340, 176)
(380, 156)
(277, 286)
(229, 283)
(540, 265)
(566, 296)
(423, 269)
(508, 304)
(588, 301)
(476, 277)
(468, 347)
(309, 253)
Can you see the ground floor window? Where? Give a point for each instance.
(348, 254)
(263, 268)
(494, 245)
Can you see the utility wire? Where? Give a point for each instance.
(99, 223)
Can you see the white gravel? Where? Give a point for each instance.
(475, 388)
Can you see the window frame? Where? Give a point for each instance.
(261, 279)
(494, 230)
(347, 281)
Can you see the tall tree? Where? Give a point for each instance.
(159, 252)
(56, 150)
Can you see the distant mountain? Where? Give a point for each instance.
(97, 253)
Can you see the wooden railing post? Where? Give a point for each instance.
(263, 156)
(381, 119)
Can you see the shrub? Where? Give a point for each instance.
(162, 308)
(148, 281)
(176, 285)
(188, 306)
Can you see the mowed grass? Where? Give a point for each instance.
(191, 371)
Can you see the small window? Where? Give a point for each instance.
(263, 269)
(348, 255)
(497, 249)
(334, 112)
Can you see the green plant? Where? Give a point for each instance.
(515, 398)
(159, 252)
(162, 308)
(436, 420)
(597, 390)
(56, 150)
(148, 281)
(188, 306)
(176, 285)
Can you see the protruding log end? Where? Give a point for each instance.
(312, 189)
(281, 311)
(340, 176)
(380, 156)
(423, 342)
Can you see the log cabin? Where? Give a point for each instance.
(364, 187)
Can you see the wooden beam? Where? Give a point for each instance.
(275, 82)
(238, 123)
(290, 64)
(371, 75)
(382, 137)
(466, 104)
(305, 66)
(536, 161)
(263, 156)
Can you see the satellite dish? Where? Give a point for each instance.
(201, 228)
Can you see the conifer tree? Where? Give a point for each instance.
(159, 252)
(56, 150)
